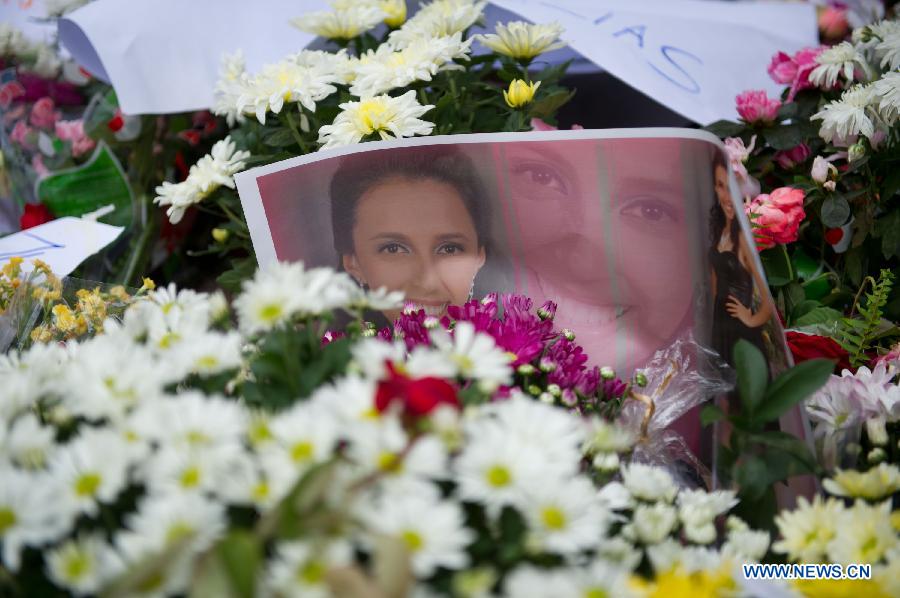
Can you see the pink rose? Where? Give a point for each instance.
(73, 132)
(776, 216)
(20, 134)
(794, 70)
(833, 23)
(43, 114)
(754, 106)
(789, 159)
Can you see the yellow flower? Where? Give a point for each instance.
(13, 268)
(148, 285)
(839, 588)
(41, 334)
(395, 11)
(678, 583)
(220, 234)
(523, 41)
(520, 93)
(878, 482)
(63, 318)
(119, 293)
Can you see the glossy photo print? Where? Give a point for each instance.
(636, 235)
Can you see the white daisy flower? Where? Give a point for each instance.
(887, 90)
(385, 68)
(864, 534)
(807, 530)
(848, 116)
(616, 497)
(192, 420)
(698, 510)
(383, 115)
(746, 545)
(603, 578)
(649, 483)
(194, 470)
(564, 517)
(285, 82)
(350, 401)
(28, 443)
(876, 483)
(528, 581)
(83, 565)
(439, 18)
(298, 569)
(838, 61)
(31, 513)
(92, 468)
(888, 50)
(371, 354)
(306, 432)
(651, 524)
(209, 354)
(432, 531)
(523, 41)
(475, 354)
(343, 24)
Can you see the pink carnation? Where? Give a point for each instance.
(794, 70)
(20, 134)
(73, 132)
(776, 216)
(43, 114)
(789, 159)
(754, 106)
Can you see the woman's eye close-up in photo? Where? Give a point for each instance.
(541, 180)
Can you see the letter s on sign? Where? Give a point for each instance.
(685, 82)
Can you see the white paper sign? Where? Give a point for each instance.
(692, 56)
(29, 16)
(63, 243)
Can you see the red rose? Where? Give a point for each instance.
(419, 396)
(810, 346)
(34, 215)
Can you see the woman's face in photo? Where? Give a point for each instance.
(723, 192)
(602, 230)
(415, 236)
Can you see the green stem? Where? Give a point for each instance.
(787, 259)
(140, 253)
(295, 132)
(234, 217)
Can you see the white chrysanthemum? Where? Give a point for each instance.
(649, 483)
(350, 400)
(841, 60)
(433, 531)
(299, 569)
(698, 509)
(209, 354)
(383, 115)
(746, 545)
(186, 523)
(341, 24)
(564, 517)
(523, 41)
(808, 529)
(197, 471)
(440, 18)
(476, 355)
(232, 84)
(265, 487)
(888, 50)
(385, 69)
(864, 534)
(847, 116)
(28, 444)
(371, 354)
(306, 433)
(496, 465)
(651, 524)
(875, 484)
(193, 420)
(285, 82)
(616, 497)
(31, 513)
(532, 582)
(30, 376)
(92, 468)
(83, 565)
(887, 90)
(212, 171)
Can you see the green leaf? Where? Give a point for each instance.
(725, 128)
(835, 211)
(751, 476)
(241, 270)
(853, 265)
(548, 106)
(752, 374)
(711, 414)
(793, 386)
(786, 137)
(818, 315)
(241, 554)
(891, 183)
(777, 267)
(888, 228)
(280, 137)
(790, 445)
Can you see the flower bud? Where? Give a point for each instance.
(569, 398)
(547, 311)
(640, 378)
(876, 455)
(554, 389)
(607, 373)
(568, 334)
(220, 234)
(534, 390)
(546, 397)
(520, 93)
(547, 365)
(431, 322)
(526, 369)
(821, 170)
(855, 152)
(876, 431)
(606, 461)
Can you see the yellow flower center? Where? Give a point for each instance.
(270, 313)
(412, 540)
(190, 477)
(261, 491)
(169, 339)
(178, 531)
(311, 573)
(207, 362)
(77, 565)
(498, 476)
(371, 115)
(259, 432)
(7, 519)
(87, 484)
(553, 518)
(302, 451)
(595, 593)
(196, 437)
(390, 462)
